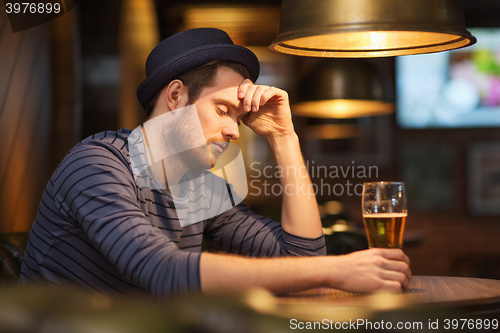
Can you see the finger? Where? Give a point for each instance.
(256, 98)
(272, 92)
(247, 101)
(407, 272)
(395, 265)
(399, 277)
(391, 286)
(243, 87)
(399, 266)
(407, 259)
(395, 254)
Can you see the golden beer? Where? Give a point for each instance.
(385, 230)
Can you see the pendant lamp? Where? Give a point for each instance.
(344, 88)
(370, 28)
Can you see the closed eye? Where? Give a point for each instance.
(221, 112)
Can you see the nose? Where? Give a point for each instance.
(231, 131)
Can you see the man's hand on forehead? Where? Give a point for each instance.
(254, 96)
(268, 109)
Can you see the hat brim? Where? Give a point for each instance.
(191, 59)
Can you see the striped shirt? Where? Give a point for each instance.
(97, 228)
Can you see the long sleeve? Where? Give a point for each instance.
(96, 227)
(241, 231)
(95, 189)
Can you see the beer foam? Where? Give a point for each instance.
(386, 215)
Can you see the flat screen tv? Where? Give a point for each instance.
(452, 89)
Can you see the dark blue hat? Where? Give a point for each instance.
(187, 50)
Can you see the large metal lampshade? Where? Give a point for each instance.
(370, 28)
(344, 88)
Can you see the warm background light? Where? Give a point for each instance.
(370, 28)
(371, 44)
(344, 88)
(342, 108)
(139, 34)
(244, 24)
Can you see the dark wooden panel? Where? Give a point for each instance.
(24, 129)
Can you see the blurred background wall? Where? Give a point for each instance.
(75, 76)
(25, 129)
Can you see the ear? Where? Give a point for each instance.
(175, 95)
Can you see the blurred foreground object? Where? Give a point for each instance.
(39, 308)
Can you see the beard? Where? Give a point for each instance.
(216, 148)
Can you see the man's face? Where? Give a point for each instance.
(220, 111)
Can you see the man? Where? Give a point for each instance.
(98, 228)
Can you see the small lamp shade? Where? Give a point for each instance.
(344, 88)
(370, 28)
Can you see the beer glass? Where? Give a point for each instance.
(384, 213)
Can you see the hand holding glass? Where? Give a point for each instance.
(384, 213)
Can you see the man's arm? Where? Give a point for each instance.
(299, 214)
(270, 116)
(241, 231)
(363, 271)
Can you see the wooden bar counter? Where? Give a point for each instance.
(473, 297)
